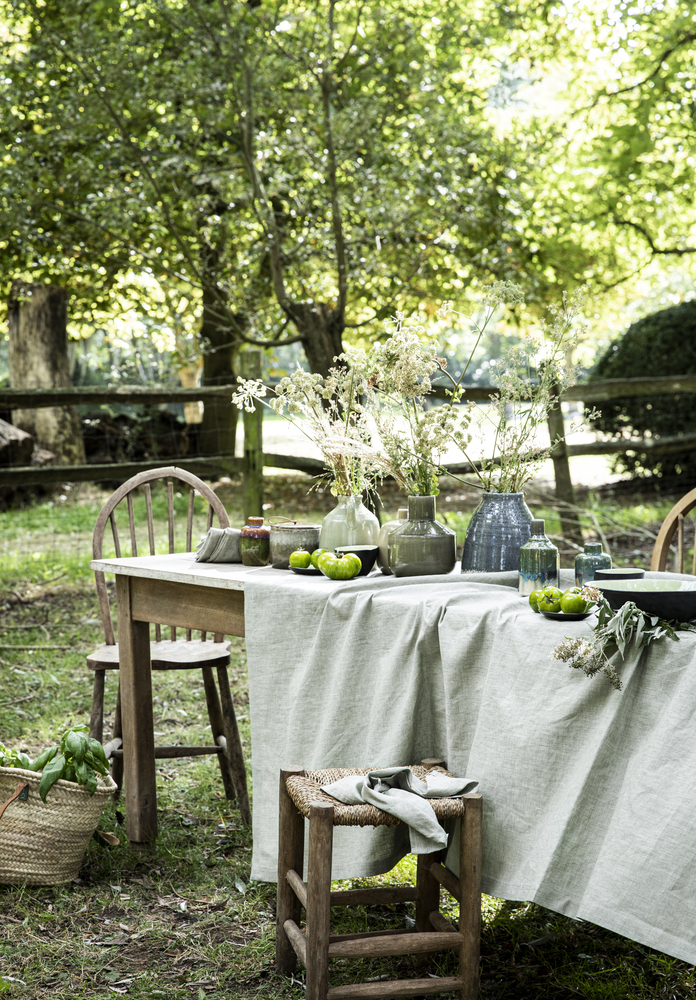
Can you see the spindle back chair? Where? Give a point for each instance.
(673, 525)
(169, 654)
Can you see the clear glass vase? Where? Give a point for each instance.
(349, 523)
(383, 542)
(589, 561)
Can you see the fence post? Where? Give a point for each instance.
(565, 494)
(251, 367)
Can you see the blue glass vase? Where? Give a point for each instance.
(499, 526)
(539, 562)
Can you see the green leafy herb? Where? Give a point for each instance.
(616, 632)
(78, 758)
(14, 758)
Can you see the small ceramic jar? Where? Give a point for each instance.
(287, 538)
(255, 542)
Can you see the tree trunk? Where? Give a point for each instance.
(38, 358)
(321, 329)
(220, 345)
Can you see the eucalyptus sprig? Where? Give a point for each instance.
(615, 632)
(78, 758)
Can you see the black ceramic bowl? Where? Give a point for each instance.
(674, 600)
(367, 554)
(628, 573)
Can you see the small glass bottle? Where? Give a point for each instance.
(255, 542)
(539, 562)
(383, 540)
(588, 561)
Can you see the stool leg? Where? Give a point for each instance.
(290, 855)
(470, 849)
(321, 815)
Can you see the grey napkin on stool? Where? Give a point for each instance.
(400, 793)
(219, 545)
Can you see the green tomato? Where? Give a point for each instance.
(572, 603)
(315, 557)
(534, 600)
(340, 567)
(550, 599)
(300, 559)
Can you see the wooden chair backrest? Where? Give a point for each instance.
(106, 514)
(674, 524)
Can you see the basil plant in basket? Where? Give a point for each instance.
(77, 758)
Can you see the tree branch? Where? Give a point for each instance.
(259, 193)
(689, 37)
(336, 220)
(679, 251)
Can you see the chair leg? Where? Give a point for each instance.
(96, 719)
(117, 762)
(321, 816)
(234, 745)
(470, 850)
(216, 724)
(290, 856)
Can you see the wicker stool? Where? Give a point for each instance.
(300, 797)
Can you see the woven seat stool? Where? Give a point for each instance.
(301, 797)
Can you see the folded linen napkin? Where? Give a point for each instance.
(399, 792)
(219, 545)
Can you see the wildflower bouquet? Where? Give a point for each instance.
(329, 413)
(412, 437)
(528, 378)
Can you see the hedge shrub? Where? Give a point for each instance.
(663, 343)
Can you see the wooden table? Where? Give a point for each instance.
(169, 590)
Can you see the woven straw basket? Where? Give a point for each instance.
(43, 843)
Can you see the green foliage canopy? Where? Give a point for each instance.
(302, 167)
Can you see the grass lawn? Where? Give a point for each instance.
(183, 919)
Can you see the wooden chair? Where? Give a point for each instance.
(301, 798)
(674, 524)
(170, 654)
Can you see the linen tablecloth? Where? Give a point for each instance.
(589, 793)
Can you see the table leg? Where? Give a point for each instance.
(137, 721)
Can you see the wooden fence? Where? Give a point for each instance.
(254, 459)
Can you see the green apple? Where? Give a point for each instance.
(300, 559)
(550, 599)
(534, 600)
(315, 557)
(343, 567)
(572, 603)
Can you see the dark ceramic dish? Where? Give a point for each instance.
(674, 600)
(628, 573)
(367, 554)
(571, 617)
(308, 571)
